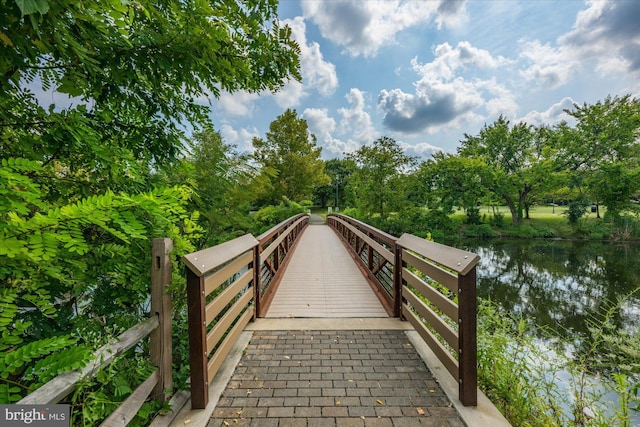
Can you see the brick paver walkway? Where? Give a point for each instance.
(332, 378)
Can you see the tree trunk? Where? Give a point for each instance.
(512, 207)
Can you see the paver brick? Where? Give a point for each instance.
(332, 379)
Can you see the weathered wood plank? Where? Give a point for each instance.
(219, 277)
(203, 261)
(56, 389)
(453, 258)
(438, 349)
(445, 278)
(130, 407)
(447, 306)
(371, 242)
(218, 331)
(227, 344)
(215, 307)
(160, 346)
(432, 318)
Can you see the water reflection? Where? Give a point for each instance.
(560, 284)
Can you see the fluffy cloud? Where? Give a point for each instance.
(443, 98)
(422, 150)
(606, 34)
(364, 27)
(554, 114)
(608, 27)
(242, 138)
(354, 130)
(356, 122)
(237, 104)
(316, 72)
(550, 66)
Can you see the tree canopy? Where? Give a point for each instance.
(289, 154)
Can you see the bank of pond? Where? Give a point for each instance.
(572, 299)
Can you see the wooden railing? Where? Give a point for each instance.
(224, 292)
(158, 326)
(420, 280)
(443, 273)
(374, 250)
(275, 244)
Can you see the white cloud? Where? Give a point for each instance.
(554, 114)
(550, 66)
(364, 27)
(242, 138)
(605, 36)
(422, 150)
(607, 31)
(240, 103)
(316, 72)
(443, 98)
(355, 120)
(324, 126)
(290, 95)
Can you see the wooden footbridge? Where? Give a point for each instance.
(341, 270)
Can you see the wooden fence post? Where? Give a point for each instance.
(467, 339)
(160, 344)
(198, 356)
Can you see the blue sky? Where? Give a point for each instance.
(427, 72)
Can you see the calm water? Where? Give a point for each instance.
(560, 284)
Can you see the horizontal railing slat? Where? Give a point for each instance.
(445, 331)
(387, 254)
(220, 302)
(438, 349)
(447, 306)
(222, 275)
(276, 229)
(446, 279)
(215, 335)
(227, 344)
(456, 259)
(132, 404)
(59, 387)
(273, 245)
(201, 262)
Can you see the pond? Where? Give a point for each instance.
(559, 285)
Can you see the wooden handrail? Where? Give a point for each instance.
(422, 303)
(158, 326)
(409, 261)
(374, 250)
(225, 286)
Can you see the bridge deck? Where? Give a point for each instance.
(322, 280)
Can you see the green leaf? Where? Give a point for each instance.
(27, 7)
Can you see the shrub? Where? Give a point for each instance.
(481, 231)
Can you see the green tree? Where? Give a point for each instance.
(515, 161)
(602, 152)
(336, 193)
(79, 200)
(380, 171)
(448, 181)
(290, 155)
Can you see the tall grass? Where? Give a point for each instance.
(523, 378)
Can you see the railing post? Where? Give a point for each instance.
(160, 338)
(467, 339)
(397, 280)
(198, 357)
(256, 280)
